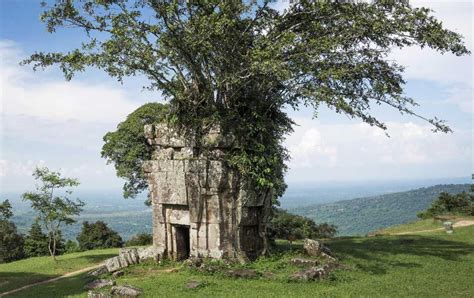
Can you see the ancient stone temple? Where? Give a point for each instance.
(201, 208)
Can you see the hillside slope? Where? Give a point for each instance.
(363, 215)
(426, 265)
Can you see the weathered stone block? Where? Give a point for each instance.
(99, 283)
(165, 136)
(99, 271)
(113, 264)
(177, 215)
(150, 253)
(126, 291)
(184, 153)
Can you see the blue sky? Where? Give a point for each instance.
(47, 121)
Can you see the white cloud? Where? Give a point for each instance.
(25, 93)
(48, 121)
(348, 151)
(18, 168)
(308, 149)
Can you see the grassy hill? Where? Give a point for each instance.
(20, 273)
(363, 215)
(432, 264)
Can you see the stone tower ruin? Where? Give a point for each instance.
(200, 206)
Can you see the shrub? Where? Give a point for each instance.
(71, 246)
(11, 242)
(98, 235)
(447, 204)
(285, 225)
(140, 239)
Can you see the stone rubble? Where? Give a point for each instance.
(301, 261)
(99, 271)
(193, 284)
(94, 294)
(312, 273)
(99, 283)
(126, 291)
(242, 273)
(131, 256)
(314, 248)
(117, 274)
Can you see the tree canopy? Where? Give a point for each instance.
(98, 235)
(127, 148)
(242, 64)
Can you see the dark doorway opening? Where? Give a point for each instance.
(183, 247)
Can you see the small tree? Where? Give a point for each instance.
(98, 235)
(53, 210)
(36, 243)
(140, 239)
(11, 242)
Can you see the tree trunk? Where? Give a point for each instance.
(52, 249)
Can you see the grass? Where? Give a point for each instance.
(16, 274)
(421, 225)
(430, 264)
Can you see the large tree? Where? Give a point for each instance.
(242, 64)
(53, 206)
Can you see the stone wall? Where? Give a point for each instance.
(201, 208)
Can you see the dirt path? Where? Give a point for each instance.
(69, 274)
(461, 223)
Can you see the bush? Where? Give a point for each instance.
(11, 242)
(71, 246)
(446, 204)
(36, 243)
(98, 235)
(285, 225)
(140, 240)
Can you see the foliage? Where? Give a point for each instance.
(5, 210)
(52, 210)
(285, 225)
(242, 64)
(71, 246)
(36, 242)
(140, 240)
(127, 147)
(11, 242)
(447, 204)
(363, 215)
(98, 235)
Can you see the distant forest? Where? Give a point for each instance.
(363, 215)
(352, 217)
